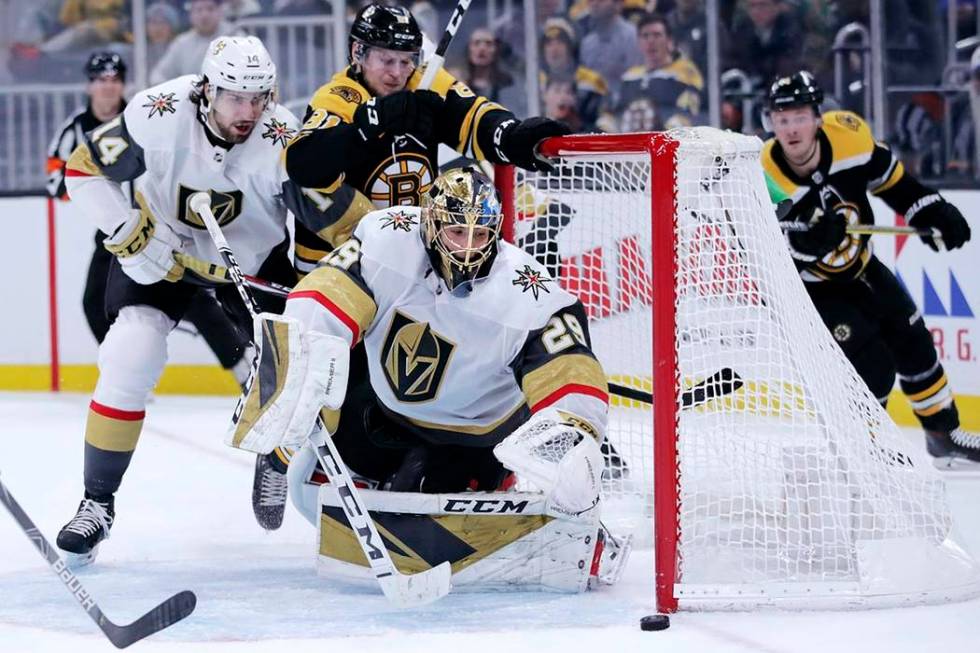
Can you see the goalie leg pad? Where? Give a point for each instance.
(296, 373)
(500, 541)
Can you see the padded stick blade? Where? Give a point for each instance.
(409, 590)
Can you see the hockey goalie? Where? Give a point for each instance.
(475, 378)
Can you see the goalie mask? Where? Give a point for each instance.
(461, 218)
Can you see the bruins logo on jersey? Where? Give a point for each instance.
(347, 94)
(226, 206)
(414, 358)
(400, 180)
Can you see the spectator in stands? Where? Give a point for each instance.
(767, 41)
(90, 22)
(559, 59)
(483, 72)
(610, 47)
(35, 24)
(235, 10)
(688, 24)
(559, 102)
(666, 91)
(186, 52)
(510, 33)
(162, 21)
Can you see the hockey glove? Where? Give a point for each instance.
(933, 212)
(825, 232)
(145, 248)
(404, 112)
(517, 142)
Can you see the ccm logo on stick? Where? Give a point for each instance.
(484, 506)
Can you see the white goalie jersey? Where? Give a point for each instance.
(161, 135)
(454, 369)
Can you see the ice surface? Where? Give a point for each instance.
(184, 522)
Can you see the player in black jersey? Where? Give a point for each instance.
(826, 164)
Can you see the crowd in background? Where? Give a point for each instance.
(603, 65)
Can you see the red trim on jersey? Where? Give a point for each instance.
(337, 312)
(71, 172)
(571, 388)
(115, 413)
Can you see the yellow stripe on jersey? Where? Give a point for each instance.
(472, 137)
(111, 434)
(441, 84)
(560, 371)
(81, 161)
(465, 128)
(340, 290)
(898, 171)
(308, 254)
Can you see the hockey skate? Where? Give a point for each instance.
(80, 537)
(956, 449)
(269, 491)
(609, 560)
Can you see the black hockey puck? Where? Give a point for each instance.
(655, 622)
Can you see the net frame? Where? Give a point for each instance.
(661, 150)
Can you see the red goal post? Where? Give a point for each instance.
(792, 490)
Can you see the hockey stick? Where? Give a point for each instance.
(434, 65)
(166, 614)
(219, 273)
(401, 589)
(897, 230)
(724, 381)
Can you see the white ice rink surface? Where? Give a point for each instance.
(184, 521)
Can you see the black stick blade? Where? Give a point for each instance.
(166, 614)
(723, 382)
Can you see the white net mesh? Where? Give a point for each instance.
(796, 487)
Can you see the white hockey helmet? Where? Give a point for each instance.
(239, 63)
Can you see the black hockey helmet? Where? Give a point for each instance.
(796, 90)
(105, 63)
(382, 26)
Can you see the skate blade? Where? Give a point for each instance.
(957, 465)
(80, 560)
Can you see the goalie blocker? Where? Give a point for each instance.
(548, 537)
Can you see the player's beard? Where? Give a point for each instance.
(236, 132)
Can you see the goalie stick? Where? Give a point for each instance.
(166, 614)
(401, 589)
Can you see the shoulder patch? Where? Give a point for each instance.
(398, 220)
(532, 280)
(278, 132)
(848, 120)
(348, 94)
(161, 104)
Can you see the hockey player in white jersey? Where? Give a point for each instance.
(222, 133)
(478, 366)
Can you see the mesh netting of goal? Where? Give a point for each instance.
(795, 489)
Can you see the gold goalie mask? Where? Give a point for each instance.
(461, 219)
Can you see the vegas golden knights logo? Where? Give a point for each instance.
(226, 206)
(414, 358)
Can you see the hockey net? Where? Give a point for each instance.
(795, 489)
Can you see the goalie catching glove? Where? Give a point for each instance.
(558, 452)
(145, 248)
(298, 373)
